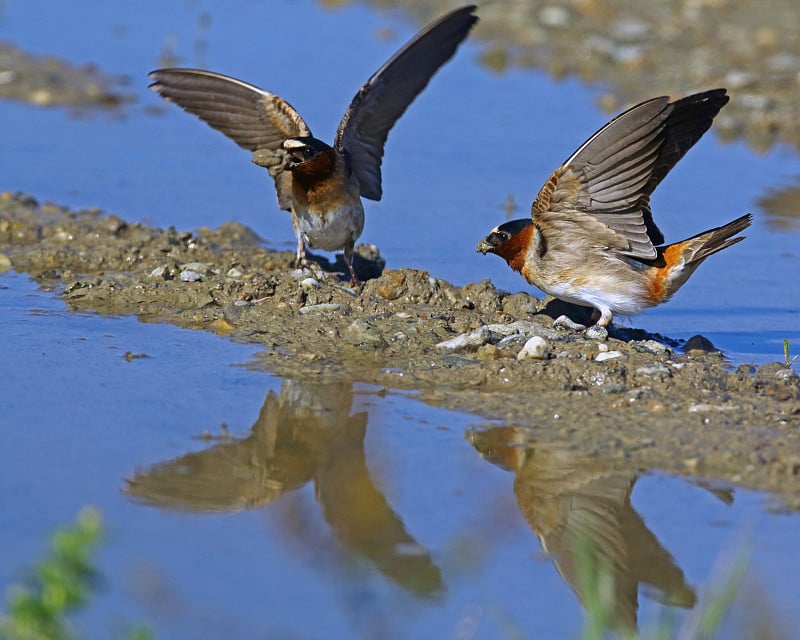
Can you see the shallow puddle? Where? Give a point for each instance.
(241, 505)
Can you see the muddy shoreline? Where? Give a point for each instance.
(633, 398)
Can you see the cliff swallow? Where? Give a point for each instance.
(591, 239)
(320, 184)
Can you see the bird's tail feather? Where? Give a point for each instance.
(699, 247)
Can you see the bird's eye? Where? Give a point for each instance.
(308, 152)
(503, 235)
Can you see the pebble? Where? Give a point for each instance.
(309, 283)
(649, 346)
(523, 327)
(630, 30)
(534, 349)
(321, 308)
(517, 339)
(362, 333)
(554, 16)
(640, 393)
(5, 263)
(187, 275)
(194, 271)
(565, 323)
(659, 371)
(160, 273)
(299, 274)
(786, 374)
(704, 407)
(596, 332)
(699, 343)
(195, 266)
(608, 355)
(472, 340)
(233, 272)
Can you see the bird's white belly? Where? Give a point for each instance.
(333, 230)
(619, 301)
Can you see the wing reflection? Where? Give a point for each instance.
(305, 433)
(782, 206)
(569, 500)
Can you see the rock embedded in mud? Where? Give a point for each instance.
(565, 323)
(649, 346)
(361, 333)
(596, 332)
(325, 307)
(472, 340)
(194, 272)
(161, 273)
(395, 288)
(699, 344)
(655, 371)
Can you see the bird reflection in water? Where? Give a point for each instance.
(306, 433)
(570, 501)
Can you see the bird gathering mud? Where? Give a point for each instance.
(631, 397)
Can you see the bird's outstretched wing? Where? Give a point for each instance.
(251, 117)
(611, 175)
(386, 95)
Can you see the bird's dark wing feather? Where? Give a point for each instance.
(251, 117)
(386, 95)
(611, 176)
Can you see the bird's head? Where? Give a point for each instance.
(309, 159)
(509, 241)
(304, 149)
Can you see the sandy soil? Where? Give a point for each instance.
(632, 398)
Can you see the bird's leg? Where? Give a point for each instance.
(349, 254)
(300, 257)
(602, 317)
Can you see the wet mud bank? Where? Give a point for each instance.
(634, 398)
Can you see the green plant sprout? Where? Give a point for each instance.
(788, 362)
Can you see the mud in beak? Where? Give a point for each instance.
(274, 160)
(484, 247)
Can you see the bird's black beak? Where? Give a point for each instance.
(293, 159)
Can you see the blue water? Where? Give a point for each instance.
(75, 428)
(79, 418)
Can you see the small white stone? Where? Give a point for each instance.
(471, 340)
(187, 275)
(602, 347)
(608, 355)
(534, 349)
(309, 283)
(320, 308)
